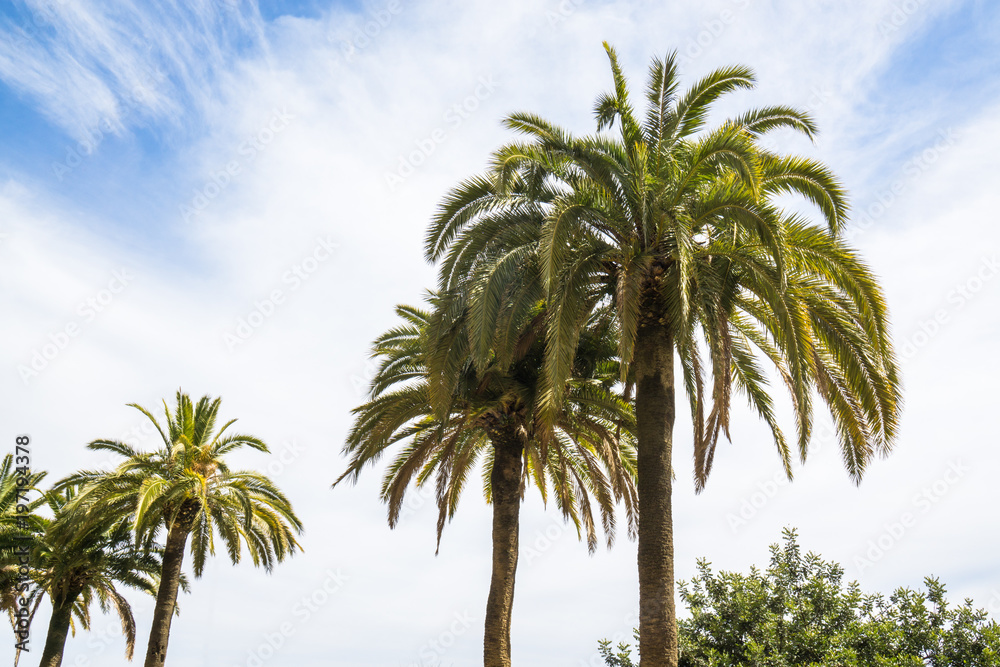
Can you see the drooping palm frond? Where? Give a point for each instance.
(589, 455)
(75, 562)
(150, 488)
(687, 211)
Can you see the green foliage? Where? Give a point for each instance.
(189, 473)
(77, 560)
(668, 221)
(73, 560)
(799, 612)
(621, 656)
(588, 462)
(104, 523)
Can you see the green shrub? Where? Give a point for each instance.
(799, 612)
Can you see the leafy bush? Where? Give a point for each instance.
(799, 612)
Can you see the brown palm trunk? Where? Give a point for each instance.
(55, 640)
(170, 579)
(505, 481)
(653, 366)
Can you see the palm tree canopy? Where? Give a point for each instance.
(590, 454)
(187, 479)
(79, 560)
(671, 223)
(74, 561)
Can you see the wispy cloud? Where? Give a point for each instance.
(89, 65)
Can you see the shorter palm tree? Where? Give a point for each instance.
(186, 489)
(77, 560)
(489, 420)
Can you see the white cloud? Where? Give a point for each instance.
(96, 68)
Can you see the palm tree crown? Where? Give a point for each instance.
(188, 480)
(590, 453)
(78, 560)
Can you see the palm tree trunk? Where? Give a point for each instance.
(505, 481)
(170, 579)
(55, 640)
(653, 365)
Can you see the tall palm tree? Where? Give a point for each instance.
(675, 230)
(489, 419)
(77, 560)
(186, 489)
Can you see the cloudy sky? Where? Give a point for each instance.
(229, 197)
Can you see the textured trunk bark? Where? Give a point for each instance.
(506, 488)
(55, 640)
(653, 365)
(170, 579)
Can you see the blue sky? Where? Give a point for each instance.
(942, 74)
(942, 71)
(265, 138)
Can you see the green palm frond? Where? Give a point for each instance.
(149, 490)
(676, 223)
(497, 389)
